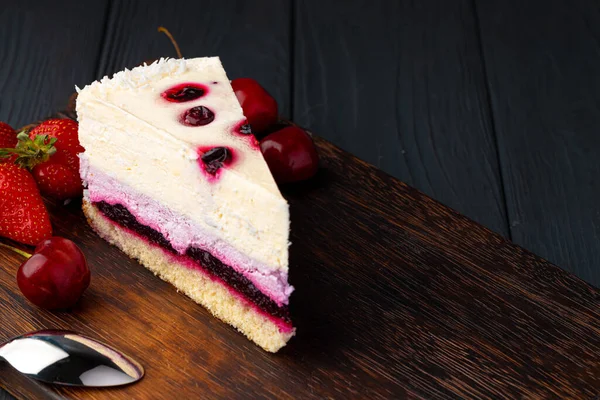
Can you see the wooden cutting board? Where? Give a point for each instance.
(396, 295)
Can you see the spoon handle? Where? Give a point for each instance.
(21, 386)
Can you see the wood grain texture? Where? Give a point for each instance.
(46, 48)
(4, 395)
(401, 85)
(23, 387)
(397, 296)
(252, 38)
(543, 63)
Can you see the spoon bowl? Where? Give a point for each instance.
(67, 358)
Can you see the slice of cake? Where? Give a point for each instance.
(176, 180)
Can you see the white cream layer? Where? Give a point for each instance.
(132, 134)
(182, 233)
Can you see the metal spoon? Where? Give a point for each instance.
(66, 358)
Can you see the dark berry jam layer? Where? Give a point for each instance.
(212, 265)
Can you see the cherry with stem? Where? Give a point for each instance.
(55, 275)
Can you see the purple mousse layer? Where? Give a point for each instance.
(203, 259)
(181, 233)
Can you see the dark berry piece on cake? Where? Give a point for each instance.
(245, 129)
(198, 116)
(215, 158)
(184, 92)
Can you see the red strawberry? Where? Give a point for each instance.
(65, 158)
(65, 132)
(8, 139)
(58, 179)
(23, 216)
(59, 176)
(8, 136)
(50, 151)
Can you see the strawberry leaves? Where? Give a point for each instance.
(50, 152)
(30, 152)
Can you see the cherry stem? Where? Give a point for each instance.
(166, 32)
(18, 251)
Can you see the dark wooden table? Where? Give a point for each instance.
(490, 107)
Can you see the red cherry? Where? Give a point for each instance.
(259, 107)
(55, 276)
(290, 154)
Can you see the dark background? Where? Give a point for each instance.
(491, 107)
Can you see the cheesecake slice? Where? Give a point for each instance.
(175, 179)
